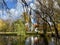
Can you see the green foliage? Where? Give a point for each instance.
(20, 28)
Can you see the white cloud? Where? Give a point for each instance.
(28, 0)
(0, 12)
(13, 14)
(33, 6)
(19, 8)
(4, 15)
(12, 10)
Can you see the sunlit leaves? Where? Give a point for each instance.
(3, 25)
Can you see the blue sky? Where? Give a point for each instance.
(13, 6)
(11, 3)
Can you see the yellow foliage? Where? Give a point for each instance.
(2, 25)
(59, 26)
(26, 17)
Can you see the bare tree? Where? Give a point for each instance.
(43, 12)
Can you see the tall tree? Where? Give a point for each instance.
(45, 12)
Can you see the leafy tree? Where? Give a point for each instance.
(3, 25)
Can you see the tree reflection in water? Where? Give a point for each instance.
(8, 40)
(34, 41)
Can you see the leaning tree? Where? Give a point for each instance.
(46, 11)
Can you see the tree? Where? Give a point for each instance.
(45, 12)
(3, 25)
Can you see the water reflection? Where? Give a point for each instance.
(8, 40)
(34, 40)
(30, 40)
